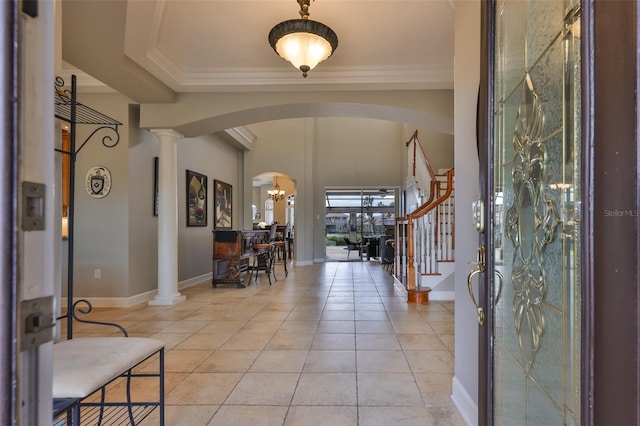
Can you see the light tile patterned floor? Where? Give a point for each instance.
(332, 344)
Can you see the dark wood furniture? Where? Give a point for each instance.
(232, 251)
(263, 260)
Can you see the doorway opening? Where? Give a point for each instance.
(358, 222)
(273, 202)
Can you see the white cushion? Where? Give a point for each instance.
(82, 366)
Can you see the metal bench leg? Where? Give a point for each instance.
(102, 398)
(161, 373)
(129, 408)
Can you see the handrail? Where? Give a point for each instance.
(414, 138)
(421, 211)
(428, 206)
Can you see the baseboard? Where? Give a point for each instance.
(304, 262)
(319, 260)
(442, 295)
(400, 288)
(195, 280)
(464, 403)
(115, 302)
(126, 302)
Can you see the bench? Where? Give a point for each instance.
(86, 365)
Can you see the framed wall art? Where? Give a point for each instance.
(196, 199)
(156, 197)
(223, 206)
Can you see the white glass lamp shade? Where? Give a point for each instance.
(303, 49)
(303, 42)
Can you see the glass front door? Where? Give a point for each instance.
(533, 269)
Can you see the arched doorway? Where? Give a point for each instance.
(273, 201)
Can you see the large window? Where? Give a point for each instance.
(355, 214)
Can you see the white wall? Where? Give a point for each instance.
(467, 78)
(34, 251)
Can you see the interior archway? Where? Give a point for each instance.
(281, 205)
(220, 120)
(273, 202)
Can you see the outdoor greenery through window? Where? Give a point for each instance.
(357, 213)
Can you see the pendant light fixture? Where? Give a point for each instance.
(276, 193)
(303, 42)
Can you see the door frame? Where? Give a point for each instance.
(610, 253)
(8, 197)
(610, 375)
(484, 130)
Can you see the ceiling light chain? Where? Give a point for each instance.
(303, 42)
(304, 8)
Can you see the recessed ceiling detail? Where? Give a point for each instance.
(197, 46)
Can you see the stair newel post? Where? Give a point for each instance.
(411, 275)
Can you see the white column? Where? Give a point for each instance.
(168, 293)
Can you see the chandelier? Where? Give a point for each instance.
(303, 42)
(276, 193)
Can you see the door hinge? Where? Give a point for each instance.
(37, 322)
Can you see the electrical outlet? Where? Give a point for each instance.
(97, 273)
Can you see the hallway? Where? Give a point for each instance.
(332, 344)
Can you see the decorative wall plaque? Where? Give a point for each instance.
(98, 182)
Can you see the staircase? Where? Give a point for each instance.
(425, 237)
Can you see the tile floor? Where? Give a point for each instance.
(332, 344)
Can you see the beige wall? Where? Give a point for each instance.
(467, 70)
(143, 226)
(102, 225)
(118, 234)
(211, 156)
(281, 147)
(354, 152)
(321, 152)
(196, 114)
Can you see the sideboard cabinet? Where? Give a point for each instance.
(232, 252)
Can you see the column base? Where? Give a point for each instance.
(168, 300)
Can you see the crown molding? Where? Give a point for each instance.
(241, 137)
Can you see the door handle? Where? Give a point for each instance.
(499, 275)
(480, 267)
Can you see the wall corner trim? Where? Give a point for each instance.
(464, 403)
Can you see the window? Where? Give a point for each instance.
(268, 211)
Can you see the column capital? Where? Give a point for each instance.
(167, 133)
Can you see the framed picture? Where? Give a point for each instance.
(156, 198)
(222, 205)
(196, 199)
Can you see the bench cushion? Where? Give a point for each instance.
(82, 366)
